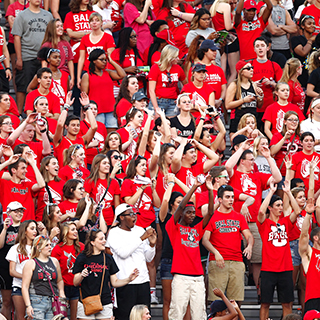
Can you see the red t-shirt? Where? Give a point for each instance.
(53, 101)
(99, 135)
(78, 22)
(105, 43)
(227, 228)
(66, 256)
(60, 87)
(164, 88)
(155, 57)
(270, 70)
(21, 192)
(66, 173)
(301, 166)
(251, 184)
(122, 108)
(161, 186)
(275, 114)
(178, 27)
(247, 32)
(97, 191)
(67, 206)
(13, 107)
(276, 255)
(313, 276)
(297, 95)
(279, 156)
(52, 123)
(185, 243)
(124, 134)
(117, 7)
(143, 205)
(314, 12)
(215, 77)
(296, 230)
(55, 188)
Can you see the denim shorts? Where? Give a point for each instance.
(16, 291)
(42, 307)
(72, 293)
(106, 313)
(107, 119)
(168, 105)
(165, 269)
(294, 248)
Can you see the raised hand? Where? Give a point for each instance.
(69, 101)
(84, 99)
(310, 207)
(218, 292)
(265, 152)
(286, 186)
(273, 186)
(209, 184)
(314, 162)
(288, 161)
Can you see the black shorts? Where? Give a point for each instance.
(5, 280)
(24, 76)
(281, 280)
(4, 83)
(233, 47)
(312, 304)
(11, 48)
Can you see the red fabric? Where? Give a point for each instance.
(97, 191)
(297, 95)
(14, 119)
(296, 231)
(122, 108)
(251, 184)
(301, 166)
(53, 101)
(43, 197)
(165, 89)
(185, 241)
(66, 256)
(275, 114)
(124, 134)
(276, 255)
(66, 173)
(105, 43)
(67, 206)
(270, 70)
(36, 147)
(278, 157)
(161, 186)
(13, 107)
(155, 57)
(100, 135)
(143, 205)
(52, 123)
(247, 32)
(21, 192)
(60, 87)
(78, 22)
(117, 7)
(227, 228)
(218, 21)
(178, 27)
(313, 276)
(314, 12)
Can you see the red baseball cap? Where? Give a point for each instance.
(240, 64)
(311, 315)
(167, 35)
(250, 4)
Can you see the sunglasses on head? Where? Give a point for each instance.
(77, 147)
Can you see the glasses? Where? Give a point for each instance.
(77, 147)
(134, 37)
(251, 160)
(293, 120)
(131, 214)
(7, 123)
(248, 68)
(223, 176)
(278, 226)
(117, 157)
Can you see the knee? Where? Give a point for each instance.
(265, 306)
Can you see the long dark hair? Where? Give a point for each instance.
(123, 44)
(22, 238)
(74, 6)
(91, 236)
(93, 56)
(132, 166)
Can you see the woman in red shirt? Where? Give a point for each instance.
(66, 253)
(98, 182)
(292, 70)
(5, 129)
(98, 80)
(113, 142)
(163, 81)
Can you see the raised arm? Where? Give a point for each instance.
(166, 197)
(176, 160)
(296, 209)
(276, 174)
(264, 206)
(267, 11)
(210, 212)
(237, 18)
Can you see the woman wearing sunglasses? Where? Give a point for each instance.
(36, 290)
(243, 95)
(74, 167)
(117, 170)
(98, 183)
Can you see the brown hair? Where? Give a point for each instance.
(21, 239)
(64, 239)
(91, 236)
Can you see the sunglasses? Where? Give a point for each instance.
(42, 237)
(117, 157)
(223, 176)
(77, 147)
(278, 226)
(131, 214)
(134, 37)
(248, 68)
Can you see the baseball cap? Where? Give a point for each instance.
(15, 205)
(237, 140)
(208, 44)
(199, 67)
(240, 64)
(138, 96)
(250, 4)
(311, 315)
(217, 306)
(167, 35)
(121, 208)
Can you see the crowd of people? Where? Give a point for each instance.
(114, 165)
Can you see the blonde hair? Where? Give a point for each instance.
(38, 244)
(256, 143)
(168, 54)
(71, 151)
(64, 236)
(95, 14)
(242, 122)
(238, 82)
(213, 8)
(290, 69)
(277, 87)
(314, 61)
(137, 312)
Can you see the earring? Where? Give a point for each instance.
(39, 250)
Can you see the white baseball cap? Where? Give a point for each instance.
(15, 205)
(121, 208)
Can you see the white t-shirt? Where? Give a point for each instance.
(313, 127)
(105, 14)
(20, 260)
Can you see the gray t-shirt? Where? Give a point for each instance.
(278, 16)
(31, 27)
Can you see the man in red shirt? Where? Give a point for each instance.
(223, 239)
(310, 258)
(252, 184)
(276, 269)
(188, 281)
(249, 29)
(44, 76)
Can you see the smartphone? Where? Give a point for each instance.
(211, 109)
(11, 221)
(261, 80)
(144, 68)
(89, 269)
(222, 35)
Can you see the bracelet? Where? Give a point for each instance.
(8, 69)
(43, 130)
(171, 182)
(221, 99)
(309, 213)
(180, 15)
(216, 117)
(202, 119)
(66, 107)
(142, 188)
(29, 305)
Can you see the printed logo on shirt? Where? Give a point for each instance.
(81, 22)
(227, 226)
(106, 203)
(37, 25)
(70, 261)
(89, 49)
(191, 241)
(178, 22)
(1, 40)
(22, 258)
(248, 186)
(198, 100)
(190, 179)
(213, 78)
(305, 170)
(280, 117)
(145, 202)
(318, 261)
(21, 191)
(174, 78)
(278, 236)
(251, 26)
(56, 197)
(11, 237)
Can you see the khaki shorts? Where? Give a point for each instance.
(229, 279)
(106, 313)
(257, 246)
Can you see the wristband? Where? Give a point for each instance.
(86, 107)
(66, 107)
(171, 182)
(180, 15)
(29, 305)
(43, 130)
(221, 99)
(309, 213)
(8, 69)
(202, 119)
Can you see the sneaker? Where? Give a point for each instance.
(154, 298)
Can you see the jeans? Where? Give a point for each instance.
(107, 119)
(42, 307)
(168, 105)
